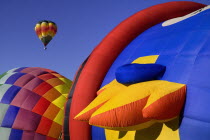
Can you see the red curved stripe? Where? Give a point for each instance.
(106, 52)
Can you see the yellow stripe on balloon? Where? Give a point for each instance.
(38, 30)
(44, 29)
(60, 101)
(50, 31)
(63, 89)
(66, 81)
(65, 95)
(146, 59)
(37, 27)
(59, 118)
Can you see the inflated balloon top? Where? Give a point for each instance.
(45, 30)
(147, 80)
(32, 104)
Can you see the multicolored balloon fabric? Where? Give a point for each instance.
(32, 104)
(124, 94)
(45, 30)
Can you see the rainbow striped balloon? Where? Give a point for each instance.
(32, 104)
(45, 30)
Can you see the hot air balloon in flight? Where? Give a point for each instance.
(45, 30)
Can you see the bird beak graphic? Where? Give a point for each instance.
(136, 106)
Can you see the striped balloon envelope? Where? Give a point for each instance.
(32, 104)
(45, 30)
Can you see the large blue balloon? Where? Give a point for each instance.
(183, 46)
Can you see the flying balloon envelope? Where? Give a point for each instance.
(45, 30)
(32, 104)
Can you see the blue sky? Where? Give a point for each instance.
(82, 24)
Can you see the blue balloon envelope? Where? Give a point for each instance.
(184, 48)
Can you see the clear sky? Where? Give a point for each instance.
(82, 24)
